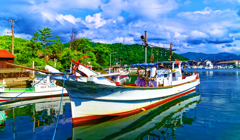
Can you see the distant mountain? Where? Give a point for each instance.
(203, 56)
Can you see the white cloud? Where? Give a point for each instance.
(206, 11)
(106, 41)
(129, 40)
(120, 18)
(198, 34)
(25, 36)
(70, 18)
(221, 48)
(206, 15)
(177, 35)
(95, 20)
(60, 5)
(125, 40)
(218, 32)
(88, 34)
(202, 45)
(136, 9)
(19, 35)
(48, 15)
(5, 32)
(222, 1)
(118, 40)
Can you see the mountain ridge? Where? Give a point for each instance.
(212, 57)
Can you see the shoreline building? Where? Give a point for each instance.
(231, 62)
(6, 56)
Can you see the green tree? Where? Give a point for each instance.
(101, 53)
(35, 37)
(45, 34)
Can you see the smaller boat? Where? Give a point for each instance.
(200, 67)
(46, 88)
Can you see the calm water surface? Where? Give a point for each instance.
(213, 112)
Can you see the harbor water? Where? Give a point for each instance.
(212, 112)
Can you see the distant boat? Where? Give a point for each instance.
(230, 67)
(193, 67)
(200, 67)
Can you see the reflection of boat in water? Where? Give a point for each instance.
(27, 115)
(165, 118)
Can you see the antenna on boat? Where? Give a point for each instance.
(144, 39)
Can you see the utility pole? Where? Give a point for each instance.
(12, 20)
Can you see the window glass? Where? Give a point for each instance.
(173, 74)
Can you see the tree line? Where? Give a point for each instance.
(48, 51)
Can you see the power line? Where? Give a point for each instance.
(18, 28)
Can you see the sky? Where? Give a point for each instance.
(207, 26)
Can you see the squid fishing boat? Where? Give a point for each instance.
(100, 97)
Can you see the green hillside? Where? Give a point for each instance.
(46, 51)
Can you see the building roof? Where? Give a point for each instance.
(6, 54)
(226, 62)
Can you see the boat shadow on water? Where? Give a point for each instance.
(158, 122)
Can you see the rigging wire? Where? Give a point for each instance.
(56, 127)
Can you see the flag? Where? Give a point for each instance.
(152, 57)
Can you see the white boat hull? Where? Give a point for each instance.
(5, 96)
(93, 101)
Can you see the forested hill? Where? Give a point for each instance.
(53, 51)
(134, 53)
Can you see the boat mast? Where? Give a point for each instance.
(145, 42)
(171, 52)
(144, 38)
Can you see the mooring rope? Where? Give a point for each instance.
(24, 91)
(59, 107)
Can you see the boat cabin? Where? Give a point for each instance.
(161, 74)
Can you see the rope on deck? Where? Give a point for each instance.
(24, 91)
(56, 127)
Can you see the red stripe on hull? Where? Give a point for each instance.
(19, 99)
(88, 118)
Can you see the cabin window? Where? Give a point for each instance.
(168, 65)
(173, 74)
(176, 66)
(166, 75)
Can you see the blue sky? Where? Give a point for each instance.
(207, 26)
